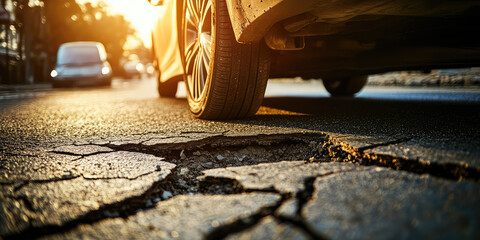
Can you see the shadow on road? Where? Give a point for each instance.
(440, 120)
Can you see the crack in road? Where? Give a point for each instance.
(340, 151)
(112, 178)
(78, 155)
(20, 185)
(173, 182)
(243, 223)
(125, 208)
(25, 183)
(219, 151)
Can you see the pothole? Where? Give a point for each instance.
(195, 156)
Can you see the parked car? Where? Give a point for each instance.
(81, 63)
(225, 50)
(150, 70)
(133, 69)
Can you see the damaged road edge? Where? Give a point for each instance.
(340, 151)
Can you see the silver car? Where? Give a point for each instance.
(81, 63)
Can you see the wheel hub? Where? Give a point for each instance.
(197, 46)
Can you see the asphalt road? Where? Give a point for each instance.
(115, 162)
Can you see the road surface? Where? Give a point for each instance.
(119, 162)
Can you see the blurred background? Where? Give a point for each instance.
(31, 32)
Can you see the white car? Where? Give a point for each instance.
(133, 69)
(81, 63)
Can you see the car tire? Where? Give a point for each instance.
(167, 89)
(224, 79)
(345, 86)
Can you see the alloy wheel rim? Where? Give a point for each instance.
(198, 45)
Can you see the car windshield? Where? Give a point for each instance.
(78, 55)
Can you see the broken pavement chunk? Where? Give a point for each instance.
(284, 177)
(58, 202)
(182, 217)
(387, 204)
(119, 164)
(36, 166)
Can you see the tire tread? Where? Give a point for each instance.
(239, 75)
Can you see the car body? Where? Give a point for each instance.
(81, 63)
(133, 69)
(339, 41)
(149, 70)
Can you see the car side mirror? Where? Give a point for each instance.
(156, 2)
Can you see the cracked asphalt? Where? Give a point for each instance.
(120, 163)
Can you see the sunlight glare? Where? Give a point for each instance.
(140, 13)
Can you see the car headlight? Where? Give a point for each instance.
(150, 70)
(105, 70)
(139, 67)
(53, 73)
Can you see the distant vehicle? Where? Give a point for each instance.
(81, 63)
(225, 50)
(133, 69)
(149, 70)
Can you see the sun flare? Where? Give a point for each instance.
(140, 13)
